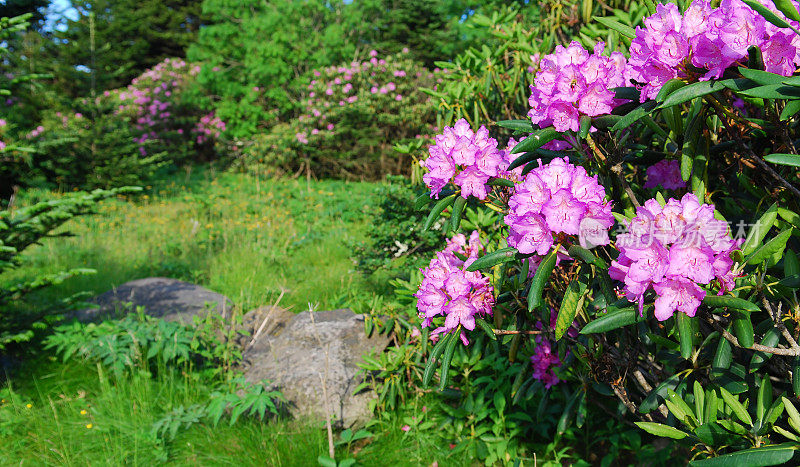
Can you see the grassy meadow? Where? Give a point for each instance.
(242, 236)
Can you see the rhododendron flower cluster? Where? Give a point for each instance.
(666, 173)
(544, 357)
(209, 126)
(708, 38)
(571, 82)
(673, 249)
(473, 154)
(557, 199)
(448, 290)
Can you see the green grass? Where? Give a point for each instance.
(244, 237)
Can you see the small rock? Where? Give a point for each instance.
(170, 299)
(302, 355)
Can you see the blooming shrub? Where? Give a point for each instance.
(166, 112)
(680, 311)
(351, 118)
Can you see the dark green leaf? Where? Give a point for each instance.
(437, 210)
(759, 230)
(770, 339)
(431, 365)
(772, 248)
(501, 182)
(726, 301)
(458, 209)
(500, 256)
(784, 159)
(723, 355)
(767, 13)
(610, 321)
(571, 304)
(690, 92)
(536, 140)
(623, 29)
(516, 125)
(486, 328)
(762, 78)
(685, 334)
(448, 357)
(664, 431)
(743, 328)
(540, 278)
(768, 455)
(634, 116)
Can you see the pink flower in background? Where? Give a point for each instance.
(398, 97)
(373, 53)
(666, 173)
(405, 428)
(672, 249)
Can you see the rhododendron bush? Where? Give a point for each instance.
(124, 135)
(634, 242)
(351, 117)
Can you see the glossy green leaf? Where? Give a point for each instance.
(790, 109)
(516, 125)
(448, 357)
(664, 431)
(770, 339)
(612, 320)
(764, 399)
(430, 366)
(783, 159)
(787, 8)
(737, 407)
(571, 304)
(685, 334)
(437, 210)
(723, 355)
(487, 328)
(767, 13)
(774, 247)
(634, 116)
(727, 301)
(691, 91)
(455, 217)
(768, 455)
(761, 77)
(540, 278)
(759, 230)
(536, 140)
(615, 25)
(503, 255)
(743, 328)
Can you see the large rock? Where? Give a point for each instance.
(170, 299)
(312, 351)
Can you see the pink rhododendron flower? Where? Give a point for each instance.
(672, 249)
(708, 38)
(571, 82)
(557, 198)
(666, 173)
(448, 289)
(459, 147)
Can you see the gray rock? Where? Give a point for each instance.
(170, 299)
(302, 355)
